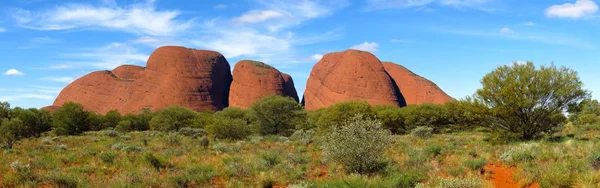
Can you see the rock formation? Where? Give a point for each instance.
(416, 89)
(253, 80)
(350, 75)
(173, 75)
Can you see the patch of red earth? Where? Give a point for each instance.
(319, 176)
(503, 177)
(218, 181)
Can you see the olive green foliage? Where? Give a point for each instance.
(233, 113)
(392, 118)
(4, 109)
(34, 121)
(358, 145)
(339, 113)
(10, 132)
(95, 121)
(135, 122)
(111, 119)
(277, 115)
(466, 114)
(529, 101)
(71, 119)
(586, 112)
(227, 128)
(173, 118)
(432, 115)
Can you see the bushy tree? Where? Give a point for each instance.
(584, 112)
(234, 113)
(71, 119)
(392, 118)
(136, 122)
(11, 131)
(4, 110)
(277, 115)
(111, 119)
(173, 118)
(228, 128)
(528, 102)
(95, 121)
(429, 115)
(34, 121)
(359, 145)
(339, 113)
(467, 114)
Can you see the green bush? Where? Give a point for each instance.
(466, 114)
(358, 145)
(475, 164)
(108, 157)
(277, 115)
(431, 115)
(34, 121)
(234, 113)
(111, 119)
(587, 119)
(4, 110)
(226, 128)
(422, 132)
(71, 119)
(173, 118)
(392, 118)
(339, 113)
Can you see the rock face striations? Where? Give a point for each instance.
(350, 75)
(416, 89)
(202, 80)
(253, 80)
(173, 76)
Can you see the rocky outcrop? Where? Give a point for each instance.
(416, 89)
(253, 80)
(350, 75)
(174, 75)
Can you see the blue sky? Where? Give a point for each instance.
(46, 44)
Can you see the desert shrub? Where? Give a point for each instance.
(392, 118)
(124, 126)
(270, 158)
(277, 115)
(234, 113)
(475, 164)
(433, 150)
(432, 115)
(594, 159)
(192, 132)
(108, 157)
(4, 110)
(196, 174)
(530, 102)
(587, 106)
(173, 118)
(460, 183)
(174, 139)
(339, 113)
(358, 145)
(95, 121)
(587, 119)
(422, 132)
(132, 149)
(303, 136)
(154, 161)
(24, 171)
(64, 180)
(466, 114)
(409, 178)
(110, 133)
(71, 119)
(226, 128)
(135, 122)
(11, 131)
(111, 119)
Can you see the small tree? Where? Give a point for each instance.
(358, 145)
(71, 119)
(35, 121)
(339, 113)
(173, 118)
(392, 118)
(4, 110)
(227, 128)
(11, 131)
(111, 119)
(526, 101)
(277, 115)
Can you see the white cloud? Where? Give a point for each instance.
(257, 16)
(109, 57)
(2, 30)
(388, 4)
(137, 18)
(530, 24)
(60, 66)
(25, 96)
(234, 44)
(64, 79)
(13, 72)
(366, 46)
(316, 57)
(579, 9)
(220, 7)
(506, 30)
(397, 41)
